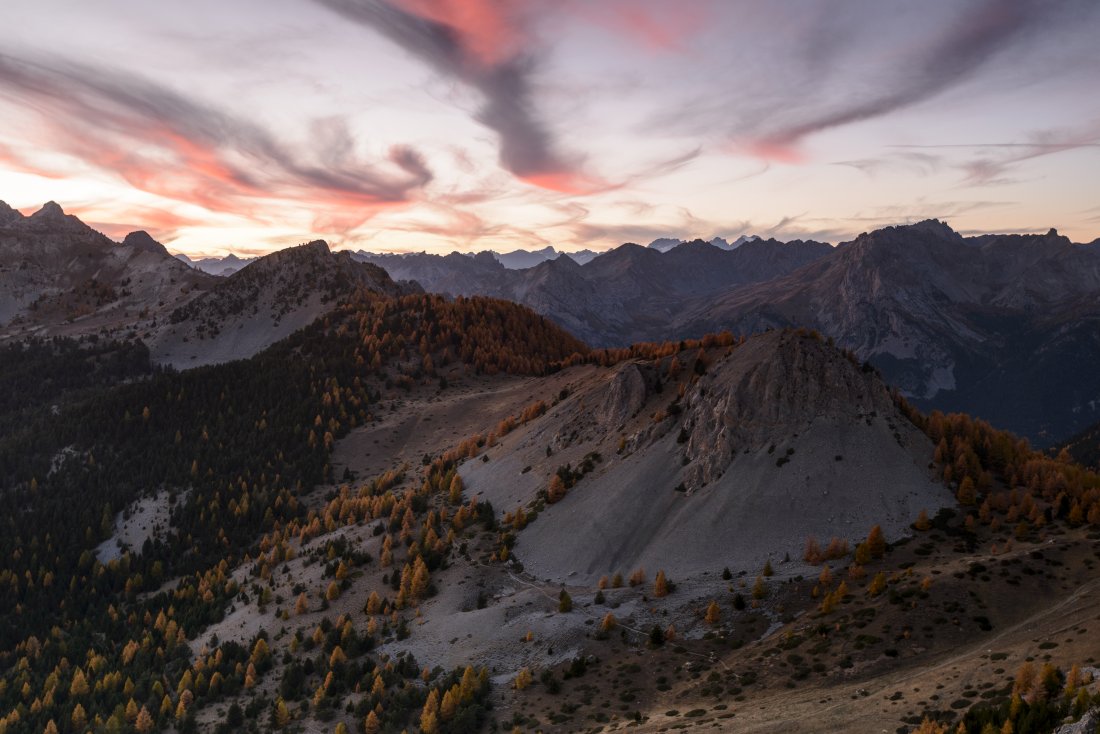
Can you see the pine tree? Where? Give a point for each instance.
(565, 602)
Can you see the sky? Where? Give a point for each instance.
(440, 125)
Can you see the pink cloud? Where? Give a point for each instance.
(490, 31)
(658, 26)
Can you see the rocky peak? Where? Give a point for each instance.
(52, 217)
(141, 241)
(7, 214)
(486, 257)
(934, 227)
(778, 384)
(49, 210)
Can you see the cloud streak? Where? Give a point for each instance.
(165, 143)
(990, 163)
(812, 72)
(978, 35)
(480, 44)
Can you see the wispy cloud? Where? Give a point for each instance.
(991, 163)
(914, 163)
(657, 25)
(483, 45)
(163, 142)
(978, 34)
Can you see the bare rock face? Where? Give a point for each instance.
(626, 395)
(774, 440)
(800, 381)
(1087, 724)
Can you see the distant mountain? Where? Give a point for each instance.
(519, 259)
(59, 276)
(1006, 327)
(628, 294)
(513, 260)
(221, 266)
(264, 302)
(664, 244)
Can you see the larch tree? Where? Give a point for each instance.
(660, 585)
(556, 491)
(877, 585)
(144, 722)
(967, 494)
(429, 715)
(455, 492)
(79, 685)
(876, 542)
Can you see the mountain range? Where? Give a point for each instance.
(1006, 327)
(431, 497)
(513, 260)
(1002, 326)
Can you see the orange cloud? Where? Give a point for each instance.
(565, 182)
(163, 143)
(118, 221)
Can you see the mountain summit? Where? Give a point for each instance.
(264, 302)
(60, 276)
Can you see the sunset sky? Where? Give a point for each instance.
(387, 125)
